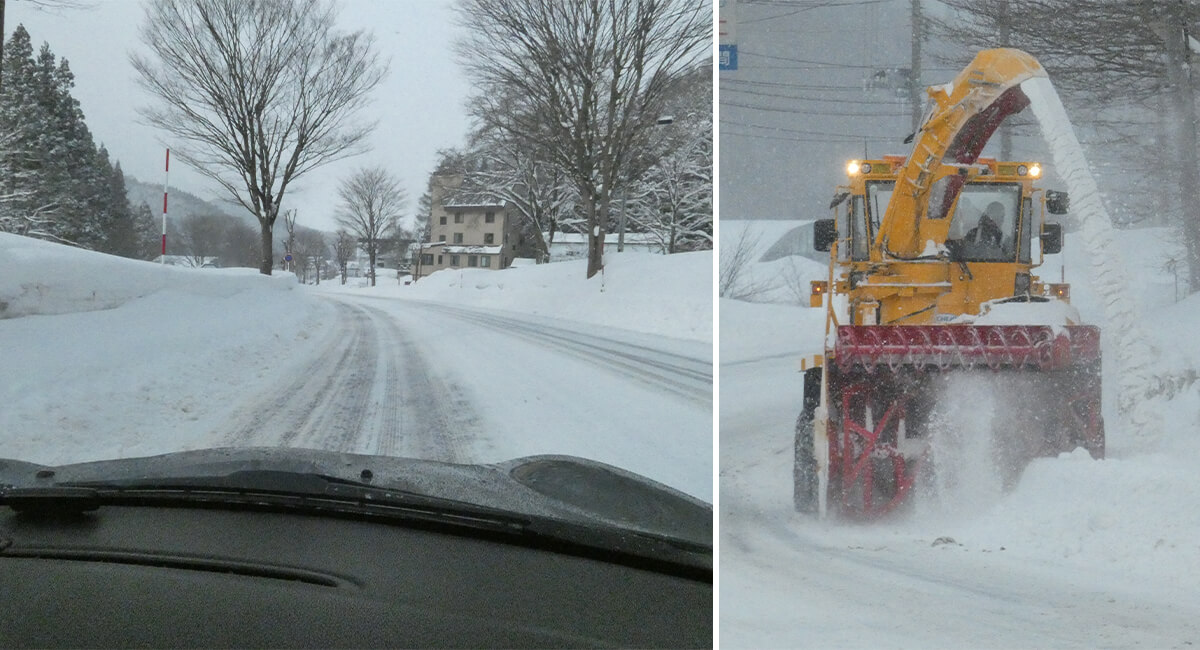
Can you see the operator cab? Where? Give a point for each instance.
(988, 224)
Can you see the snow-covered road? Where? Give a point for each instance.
(111, 358)
(442, 382)
(788, 581)
(476, 385)
(370, 390)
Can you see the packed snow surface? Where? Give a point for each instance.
(105, 357)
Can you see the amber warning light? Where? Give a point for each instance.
(1061, 291)
(819, 289)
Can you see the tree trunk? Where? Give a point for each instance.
(268, 255)
(1179, 74)
(596, 215)
(371, 256)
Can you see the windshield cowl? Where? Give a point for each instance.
(503, 496)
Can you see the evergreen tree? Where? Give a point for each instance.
(120, 230)
(55, 183)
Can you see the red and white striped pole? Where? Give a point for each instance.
(166, 173)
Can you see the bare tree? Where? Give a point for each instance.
(256, 93)
(1131, 61)
(520, 175)
(202, 236)
(583, 79)
(289, 244)
(343, 250)
(309, 248)
(370, 209)
(735, 258)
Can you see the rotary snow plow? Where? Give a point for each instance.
(929, 287)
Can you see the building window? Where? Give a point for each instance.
(442, 221)
(485, 261)
(427, 258)
(441, 238)
(439, 260)
(458, 217)
(458, 238)
(489, 238)
(453, 260)
(489, 217)
(472, 260)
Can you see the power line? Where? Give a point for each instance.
(817, 140)
(820, 100)
(850, 136)
(795, 111)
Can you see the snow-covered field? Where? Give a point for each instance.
(1082, 553)
(104, 357)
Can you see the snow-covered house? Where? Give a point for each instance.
(467, 230)
(189, 261)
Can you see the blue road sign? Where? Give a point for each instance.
(727, 55)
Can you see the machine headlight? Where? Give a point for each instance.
(1036, 170)
(852, 167)
(866, 168)
(1022, 170)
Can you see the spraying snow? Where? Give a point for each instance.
(960, 472)
(1109, 270)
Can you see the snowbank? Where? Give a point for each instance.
(38, 277)
(106, 357)
(668, 295)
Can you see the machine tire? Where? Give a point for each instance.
(804, 469)
(805, 482)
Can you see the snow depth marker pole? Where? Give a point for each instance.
(166, 173)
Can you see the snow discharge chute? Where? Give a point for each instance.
(931, 282)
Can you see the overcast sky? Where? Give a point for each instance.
(420, 105)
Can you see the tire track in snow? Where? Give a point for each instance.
(370, 391)
(687, 377)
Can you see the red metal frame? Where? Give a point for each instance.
(860, 445)
(884, 369)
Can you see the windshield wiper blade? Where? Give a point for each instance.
(259, 489)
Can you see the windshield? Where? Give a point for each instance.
(353, 228)
(984, 225)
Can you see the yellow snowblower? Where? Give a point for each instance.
(930, 280)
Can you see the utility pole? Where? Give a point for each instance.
(1179, 65)
(914, 86)
(1005, 38)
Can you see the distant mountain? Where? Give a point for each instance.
(180, 203)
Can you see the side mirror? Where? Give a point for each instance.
(824, 234)
(1057, 202)
(1051, 238)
